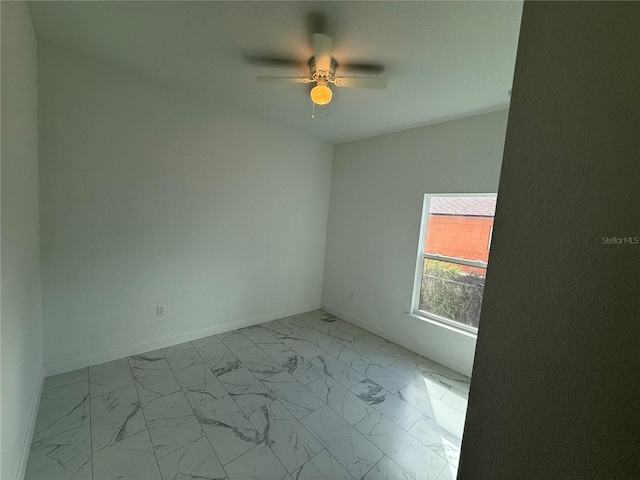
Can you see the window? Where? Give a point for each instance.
(452, 258)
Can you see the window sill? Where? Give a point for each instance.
(446, 326)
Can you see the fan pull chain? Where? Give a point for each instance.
(313, 110)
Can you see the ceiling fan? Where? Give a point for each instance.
(322, 68)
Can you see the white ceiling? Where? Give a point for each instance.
(444, 60)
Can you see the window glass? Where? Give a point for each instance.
(453, 259)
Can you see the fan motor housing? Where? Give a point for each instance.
(319, 73)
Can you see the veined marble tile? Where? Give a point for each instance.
(313, 321)
(115, 416)
(406, 355)
(337, 370)
(182, 356)
(274, 349)
(171, 423)
(250, 328)
(319, 313)
(152, 356)
(282, 331)
(195, 460)
(237, 342)
(228, 430)
(259, 463)
(457, 400)
(350, 328)
(301, 316)
(449, 378)
(304, 348)
(441, 441)
(219, 359)
(330, 345)
(340, 400)
(287, 438)
(294, 382)
(343, 324)
(386, 469)
(372, 353)
(449, 472)
(154, 379)
(396, 410)
(354, 452)
(444, 414)
(356, 361)
(373, 339)
(414, 375)
(322, 467)
(294, 396)
(260, 335)
(268, 325)
(412, 456)
(298, 367)
(337, 333)
(298, 328)
(205, 342)
(132, 458)
(334, 332)
(291, 319)
(66, 455)
(62, 409)
(199, 384)
(223, 335)
(396, 349)
(246, 390)
(63, 379)
(110, 376)
(258, 362)
(385, 378)
(310, 333)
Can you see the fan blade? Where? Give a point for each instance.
(285, 79)
(274, 61)
(361, 82)
(322, 46)
(362, 67)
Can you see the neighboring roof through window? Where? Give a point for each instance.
(463, 206)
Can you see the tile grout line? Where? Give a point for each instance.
(204, 434)
(272, 401)
(296, 323)
(325, 448)
(326, 404)
(143, 415)
(90, 418)
(366, 358)
(395, 395)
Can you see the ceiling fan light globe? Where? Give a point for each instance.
(321, 94)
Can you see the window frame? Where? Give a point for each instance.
(421, 256)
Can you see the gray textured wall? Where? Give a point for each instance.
(21, 322)
(555, 390)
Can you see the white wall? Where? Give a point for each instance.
(377, 190)
(20, 256)
(149, 198)
(555, 390)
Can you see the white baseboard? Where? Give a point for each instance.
(407, 343)
(89, 360)
(26, 447)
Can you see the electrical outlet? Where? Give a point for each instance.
(352, 294)
(160, 310)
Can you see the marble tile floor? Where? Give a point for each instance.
(306, 397)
